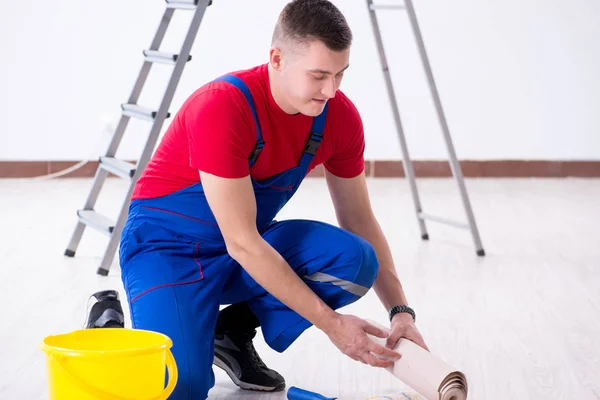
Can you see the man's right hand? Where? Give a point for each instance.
(349, 334)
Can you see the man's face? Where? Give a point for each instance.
(312, 75)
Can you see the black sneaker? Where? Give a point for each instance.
(235, 354)
(106, 312)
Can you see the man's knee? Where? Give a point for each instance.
(192, 383)
(366, 264)
(354, 265)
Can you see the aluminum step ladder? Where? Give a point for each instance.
(406, 161)
(88, 217)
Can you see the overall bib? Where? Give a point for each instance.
(176, 270)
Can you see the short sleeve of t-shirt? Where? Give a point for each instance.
(221, 132)
(348, 158)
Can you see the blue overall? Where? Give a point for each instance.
(176, 270)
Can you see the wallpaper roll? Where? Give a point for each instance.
(427, 374)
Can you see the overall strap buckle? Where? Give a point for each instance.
(256, 152)
(315, 139)
(313, 143)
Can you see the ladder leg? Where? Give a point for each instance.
(90, 202)
(454, 164)
(75, 239)
(115, 238)
(109, 255)
(406, 161)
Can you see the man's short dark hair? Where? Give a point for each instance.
(306, 20)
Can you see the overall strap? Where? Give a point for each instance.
(316, 136)
(237, 82)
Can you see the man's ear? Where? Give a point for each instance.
(276, 58)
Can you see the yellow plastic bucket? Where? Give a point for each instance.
(109, 364)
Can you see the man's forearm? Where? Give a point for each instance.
(387, 286)
(275, 275)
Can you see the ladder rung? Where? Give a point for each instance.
(118, 167)
(160, 57)
(443, 220)
(388, 7)
(97, 221)
(133, 110)
(182, 4)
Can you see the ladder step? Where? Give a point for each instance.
(387, 7)
(182, 4)
(160, 57)
(135, 111)
(96, 220)
(118, 167)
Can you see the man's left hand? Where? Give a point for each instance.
(403, 326)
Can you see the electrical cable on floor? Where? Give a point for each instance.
(59, 173)
(70, 169)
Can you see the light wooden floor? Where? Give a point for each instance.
(522, 323)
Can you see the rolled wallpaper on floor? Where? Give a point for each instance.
(429, 375)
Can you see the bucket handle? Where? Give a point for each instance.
(103, 395)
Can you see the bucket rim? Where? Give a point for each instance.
(50, 349)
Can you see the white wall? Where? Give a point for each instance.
(519, 79)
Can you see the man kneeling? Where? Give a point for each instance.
(201, 230)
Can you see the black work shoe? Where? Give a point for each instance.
(235, 354)
(106, 312)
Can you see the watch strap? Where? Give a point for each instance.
(400, 309)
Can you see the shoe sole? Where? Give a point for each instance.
(244, 385)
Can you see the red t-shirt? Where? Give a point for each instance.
(215, 131)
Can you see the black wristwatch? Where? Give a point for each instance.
(400, 309)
